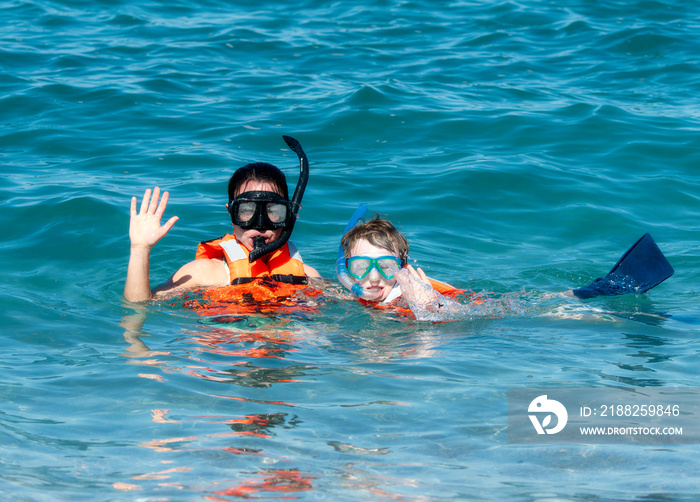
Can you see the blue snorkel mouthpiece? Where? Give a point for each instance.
(341, 268)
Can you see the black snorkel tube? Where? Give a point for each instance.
(261, 249)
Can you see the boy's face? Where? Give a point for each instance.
(246, 237)
(376, 287)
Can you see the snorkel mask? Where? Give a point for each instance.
(360, 267)
(263, 210)
(260, 210)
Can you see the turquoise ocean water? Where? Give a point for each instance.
(521, 146)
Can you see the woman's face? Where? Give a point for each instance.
(246, 236)
(376, 287)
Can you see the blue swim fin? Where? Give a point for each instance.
(641, 268)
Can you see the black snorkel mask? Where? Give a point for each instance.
(262, 210)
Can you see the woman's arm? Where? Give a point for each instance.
(145, 231)
(310, 271)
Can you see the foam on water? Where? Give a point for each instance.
(429, 305)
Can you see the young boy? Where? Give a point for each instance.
(262, 217)
(374, 253)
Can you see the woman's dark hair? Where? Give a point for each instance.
(261, 172)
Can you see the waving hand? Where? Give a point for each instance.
(145, 229)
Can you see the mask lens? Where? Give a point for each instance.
(388, 267)
(358, 267)
(276, 213)
(245, 211)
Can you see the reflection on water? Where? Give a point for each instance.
(262, 425)
(269, 482)
(262, 343)
(338, 383)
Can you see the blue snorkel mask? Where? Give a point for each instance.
(360, 267)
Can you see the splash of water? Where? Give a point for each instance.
(429, 305)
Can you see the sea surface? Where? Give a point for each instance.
(521, 147)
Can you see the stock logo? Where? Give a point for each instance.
(541, 405)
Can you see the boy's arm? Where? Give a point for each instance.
(145, 231)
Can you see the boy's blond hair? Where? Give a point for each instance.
(378, 232)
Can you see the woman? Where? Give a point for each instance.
(263, 218)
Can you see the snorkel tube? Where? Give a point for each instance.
(341, 268)
(259, 247)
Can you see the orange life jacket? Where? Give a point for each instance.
(261, 295)
(284, 265)
(443, 288)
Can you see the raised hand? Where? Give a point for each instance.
(145, 229)
(418, 274)
(416, 289)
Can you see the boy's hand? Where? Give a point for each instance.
(144, 228)
(418, 274)
(416, 288)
